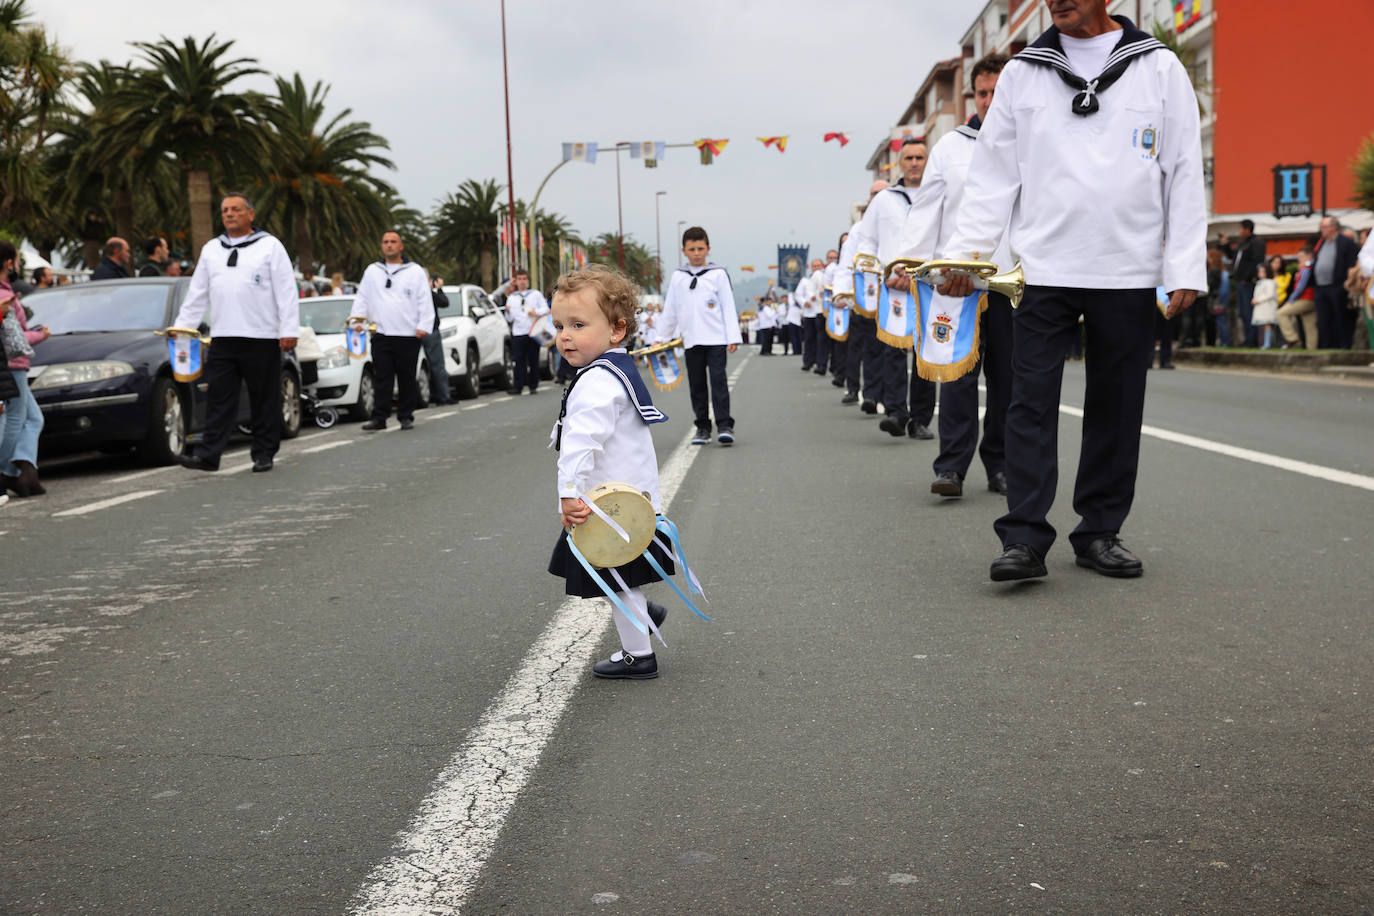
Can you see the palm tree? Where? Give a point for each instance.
(318, 191)
(465, 230)
(180, 105)
(33, 71)
(640, 265)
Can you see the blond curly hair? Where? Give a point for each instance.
(616, 293)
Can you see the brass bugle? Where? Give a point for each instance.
(658, 347)
(359, 319)
(1011, 284)
(178, 332)
(909, 265)
(867, 262)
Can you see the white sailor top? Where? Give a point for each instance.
(396, 297)
(518, 307)
(843, 281)
(700, 307)
(602, 433)
(1092, 175)
(794, 310)
(879, 233)
(935, 209)
(814, 301)
(249, 286)
(768, 317)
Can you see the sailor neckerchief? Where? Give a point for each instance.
(622, 366)
(405, 262)
(698, 274)
(970, 129)
(1048, 51)
(256, 235)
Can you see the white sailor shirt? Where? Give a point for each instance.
(794, 311)
(931, 220)
(518, 307)
(605, 439)
(256, 297)
(704, 316)
(843, 282)
(1090, 198)
(768, 317)
(815, 294)
(400, 309)
(880, 231)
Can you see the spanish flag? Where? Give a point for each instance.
(748, 267)
(710, 149)
(779, 142)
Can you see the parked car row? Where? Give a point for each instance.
(104, 381)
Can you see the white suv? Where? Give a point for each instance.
(476, 340)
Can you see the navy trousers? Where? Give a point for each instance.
(526, 350)
(703, 363)
(234, 362)
(862, 364)
(1120, 339)
(394, 359)
(959, 399)
(1331, 321)
(839, 353)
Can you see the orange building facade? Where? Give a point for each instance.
(1277, 95)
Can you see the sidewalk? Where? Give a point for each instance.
(1352, 363)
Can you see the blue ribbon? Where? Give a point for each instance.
(666, 526)
(609, 592)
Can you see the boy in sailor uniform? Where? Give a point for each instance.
(930, 224)
(246, 275)
(808, 309)
(700, 308)
(395, 293)
(880, 234)
(794, 320)
(816, 332)
(602, 436)
(1092, 152)
(524, 306)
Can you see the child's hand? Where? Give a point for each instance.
(575, 512)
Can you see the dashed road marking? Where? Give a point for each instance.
(106, 503)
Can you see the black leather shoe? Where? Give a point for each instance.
(196, 463)
(261, 464)
(997, 483)
(918, 430)
(1108, 557)
(869, 407)
(818, 370)
(806, 368)
(948, 483)
(892, 426)
(639, 668)
(657, 613)
(850, 399)
(837, 382)
(372, 426)
(407, 424)
(1017, 562)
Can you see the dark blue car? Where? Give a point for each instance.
(104, 381)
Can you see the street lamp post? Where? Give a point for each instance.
(680, 224)
(658, 242)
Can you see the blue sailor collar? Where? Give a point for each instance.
(697, 272)
(233, 247)
(621, 365)
(1048, 51)
(970, 129)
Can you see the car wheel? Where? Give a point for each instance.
(422, 382)
(470, 385)
(507, 380)
(367, 396)
(166, 427)
(290, 405)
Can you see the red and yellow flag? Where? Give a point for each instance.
(779, 142)
(748, 267)
(715, 146)
(836, 136)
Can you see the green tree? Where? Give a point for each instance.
(640, 265)
(179, 104)
(33, 71)
(464, 231)
(1363, 169)
(318, 194)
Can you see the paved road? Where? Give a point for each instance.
(249, 693)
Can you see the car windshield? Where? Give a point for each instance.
(326, 314)
(100, 307)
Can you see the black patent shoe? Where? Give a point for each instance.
(628, 667)
(949, 484)
(261, 465)
(869, 407)
(850, 399)
(372, 426)
(1108, 557)
(997, 483)
(918, 430)
(837, 382)
(197, 463)
(1017, 562)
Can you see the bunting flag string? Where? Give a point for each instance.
(652, 151)
(779, 142)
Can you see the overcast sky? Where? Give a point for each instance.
(427, 75)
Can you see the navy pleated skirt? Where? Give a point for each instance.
(577, 582)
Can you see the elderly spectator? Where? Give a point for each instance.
(115, 263)
(1332, 259)
(1301, 303)
(23, 421)
(173, 268)
(155, 250)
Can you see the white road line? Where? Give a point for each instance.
(450, 838)
(440, 416)
(476, 406)
(137, 475)
(325, 447)
(1231, 451)
(106, 503)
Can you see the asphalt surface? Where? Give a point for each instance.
(231, 695)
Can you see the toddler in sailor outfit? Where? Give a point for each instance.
(602, 435)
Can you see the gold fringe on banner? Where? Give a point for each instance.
(949, 372)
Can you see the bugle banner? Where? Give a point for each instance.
(355, 336)
(837, 317)
(665, 362)
(950, 343)
(897, 317)
(868, 273)
(186, 352)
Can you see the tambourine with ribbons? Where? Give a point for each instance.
(623, 527)
(355, 335)
(541, 331)
(186, 350)
(664, 363)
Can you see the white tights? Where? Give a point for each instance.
(631, 640)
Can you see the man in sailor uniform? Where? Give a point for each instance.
(525, 306)
(394, 293)
(810, 306)
(824, 345)
(1092, 151)
(700, 307)
(861, 358)
(929, 225)
(246, 280)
